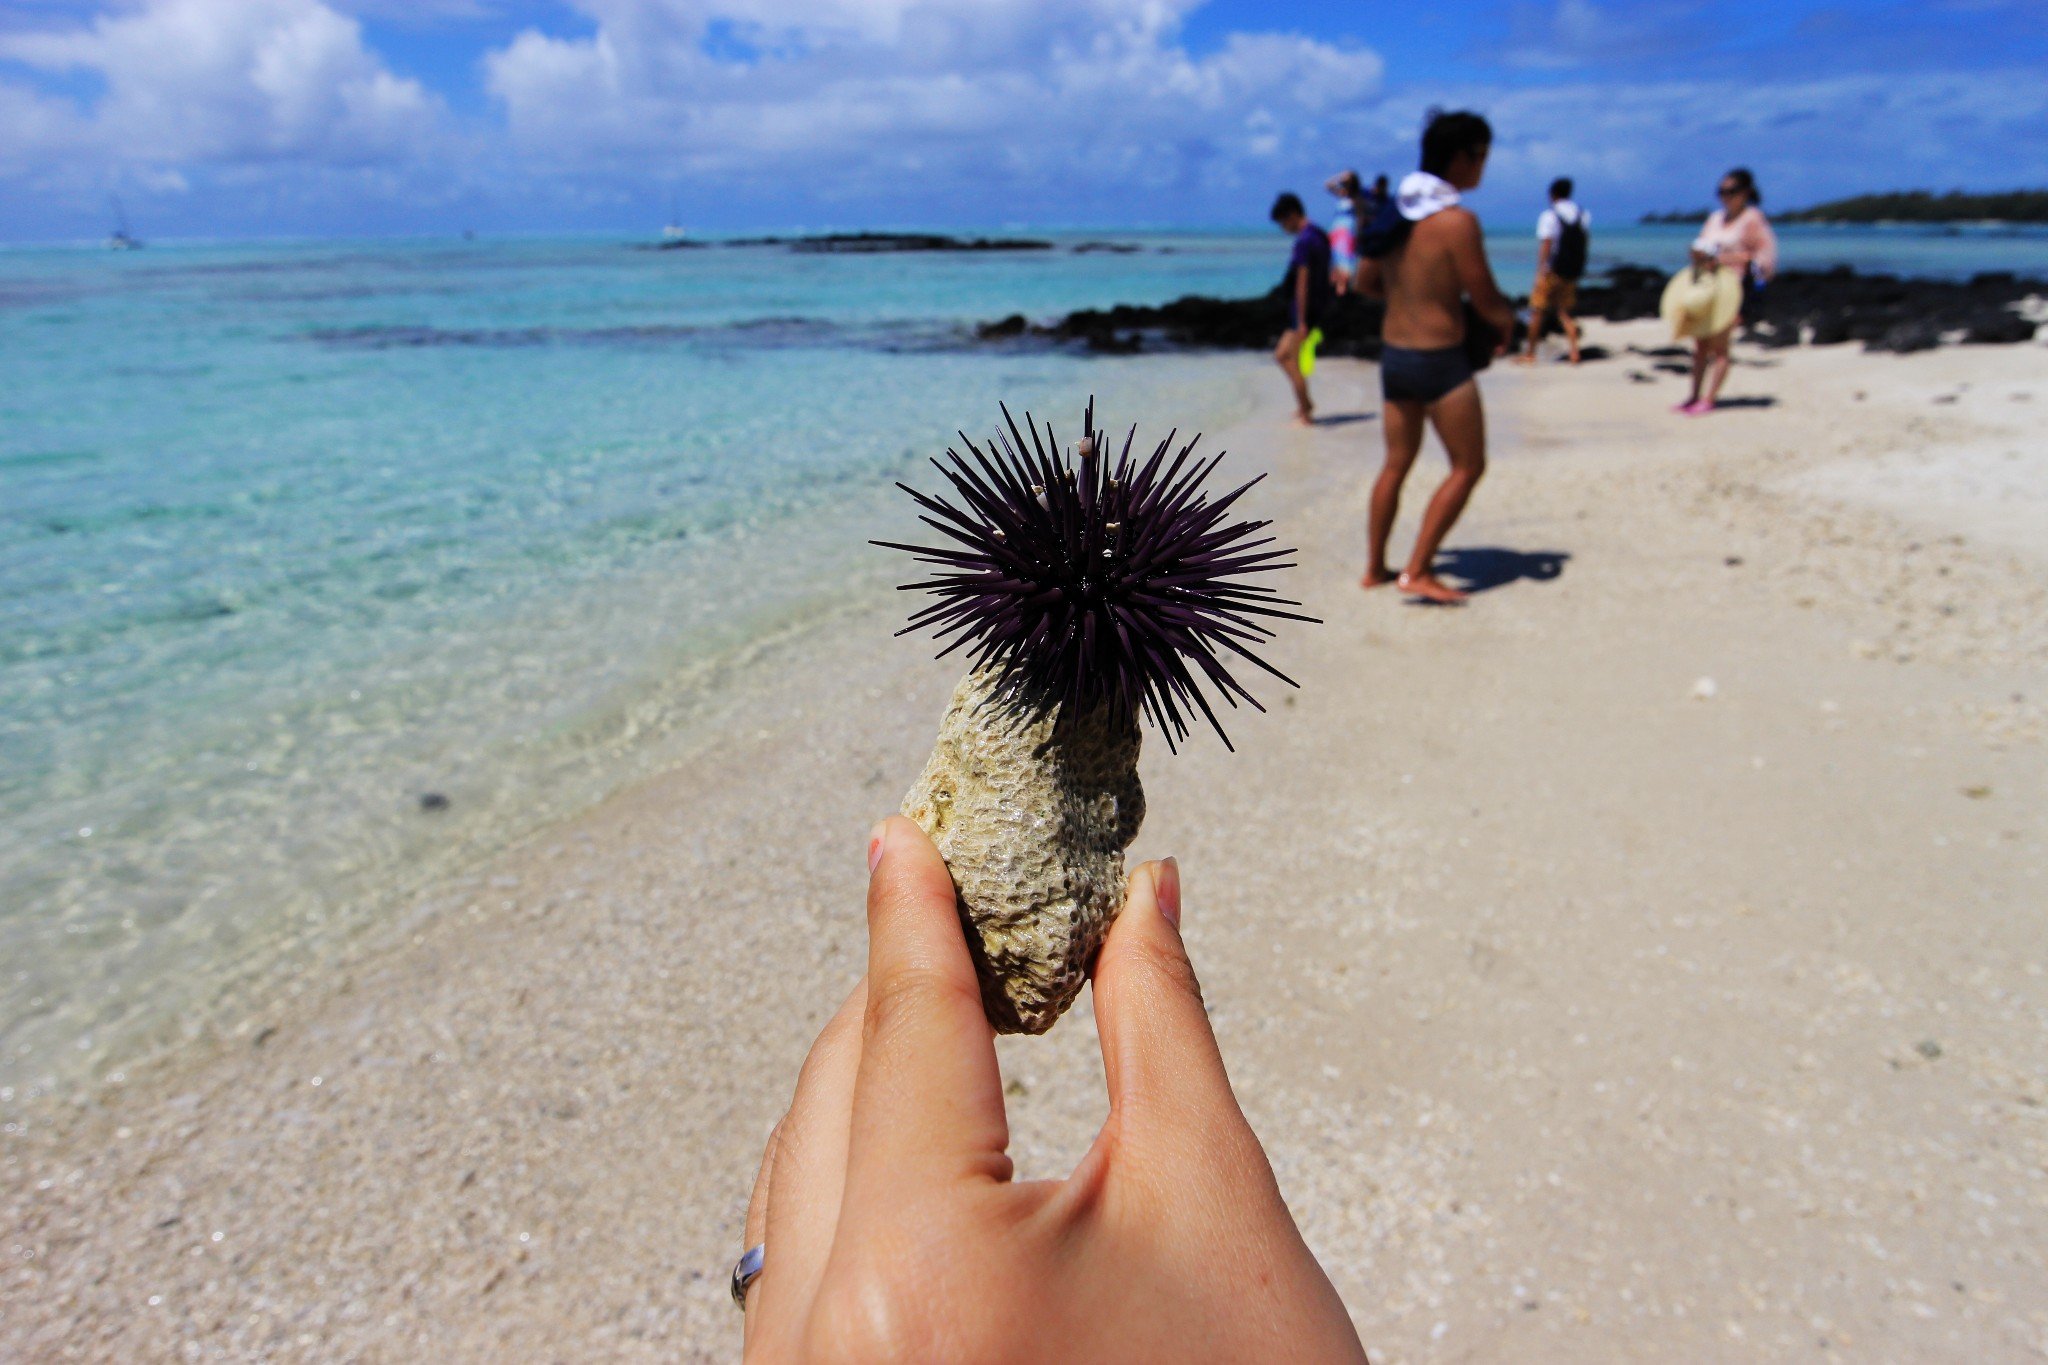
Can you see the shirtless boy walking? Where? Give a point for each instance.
(1426, 370)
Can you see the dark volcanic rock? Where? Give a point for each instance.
(1197, 322)
(1833, 306)
(867, 243)
(1997, 327)
(1884, 312)
(1629, 292)
(1905, 337)
(857, 242)
(1829, 331)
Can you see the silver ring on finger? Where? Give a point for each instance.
(745, 1271)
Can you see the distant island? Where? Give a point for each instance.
(1903, 206)
(1923, 206)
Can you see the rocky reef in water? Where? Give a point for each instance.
(1810, 307)
(878, 243)
(874, 243)
(912, 241)
(867, 243)
(1194, 323)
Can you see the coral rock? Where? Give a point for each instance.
(1032, 816)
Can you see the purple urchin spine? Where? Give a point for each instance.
(1084, 584)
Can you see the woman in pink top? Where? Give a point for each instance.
(1739, 238)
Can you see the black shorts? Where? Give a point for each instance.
(1421, 376)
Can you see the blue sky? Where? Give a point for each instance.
(258, 117)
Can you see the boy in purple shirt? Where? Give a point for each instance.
(1308, 296)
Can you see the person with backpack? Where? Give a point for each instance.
(1345, 188)
(1563, 233)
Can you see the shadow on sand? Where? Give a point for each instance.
(1747, 401)
(1482, 568)
(1338, 419)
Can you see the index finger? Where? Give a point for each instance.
(928, 1100)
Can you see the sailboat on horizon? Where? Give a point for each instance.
(673, 233)
(121, 239)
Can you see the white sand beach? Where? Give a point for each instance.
(1645, 962)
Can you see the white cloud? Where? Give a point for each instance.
(1012, 96)
(1582, 33)
(34, 131)
(215, 83)
(421, 14)
(280, 112)
(1806, 138)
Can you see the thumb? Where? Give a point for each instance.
(1158, 1048)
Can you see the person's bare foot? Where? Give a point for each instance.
(1377, 577)
(1304, 419)
(1526, 358)
(1430, 588)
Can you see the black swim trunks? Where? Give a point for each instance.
(1422, 376)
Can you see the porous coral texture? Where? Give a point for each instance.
(1033, 817)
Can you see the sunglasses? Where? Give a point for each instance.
(1726, 190)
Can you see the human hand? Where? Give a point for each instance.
(894, 1231)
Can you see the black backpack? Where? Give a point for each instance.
(1387, 230)
(1568, 262)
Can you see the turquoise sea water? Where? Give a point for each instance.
(292, 534)
(1917, 252)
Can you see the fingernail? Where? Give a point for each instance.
(1166, 890)
(877, 837)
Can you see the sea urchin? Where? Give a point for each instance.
(1087, 592)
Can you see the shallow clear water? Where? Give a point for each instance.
(294, 534)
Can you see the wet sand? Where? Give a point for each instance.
(1646, 961)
